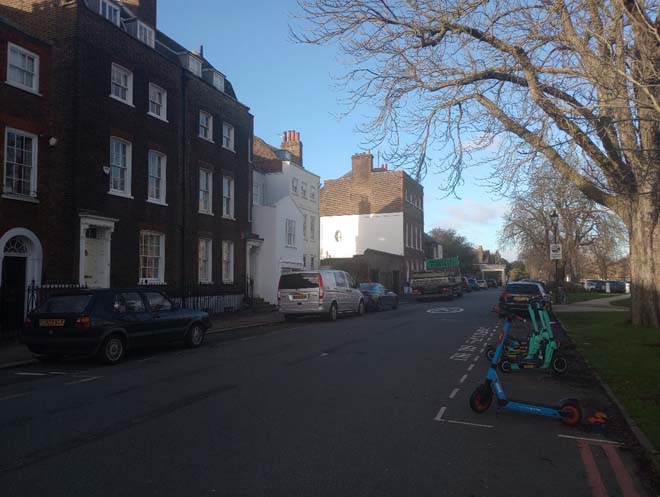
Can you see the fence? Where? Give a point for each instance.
(214, 299)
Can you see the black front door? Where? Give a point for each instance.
(396, 282)
(12, 299)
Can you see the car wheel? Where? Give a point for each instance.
(195, 336)
(360, 309)
(113, 349)
(332, 313)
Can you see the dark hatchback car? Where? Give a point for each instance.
(518, 295)
(109, 322)
(474, 284)
(377, 297)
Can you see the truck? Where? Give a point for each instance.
(441, 278)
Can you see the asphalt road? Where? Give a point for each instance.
(370, 406)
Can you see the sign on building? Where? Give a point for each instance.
(555, 252)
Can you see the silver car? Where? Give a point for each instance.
(326, 292)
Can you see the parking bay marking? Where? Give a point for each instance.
(454, 392)
(14, 396)
(84, 380)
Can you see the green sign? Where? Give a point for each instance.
(447, 262)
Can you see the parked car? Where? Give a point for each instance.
(326, 292)
(467, 288)
(491, 283)
(616, 286)
(473, 284)
(377, 297)
(482, 284)
(594, 285)
(109, 322)
(518, 295)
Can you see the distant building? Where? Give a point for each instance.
(432, 248)
(285, 212)
(373, 208)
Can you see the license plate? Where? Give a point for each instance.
(51, 322)
(299, 296)
(520, 299)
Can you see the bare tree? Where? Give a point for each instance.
(544, 78)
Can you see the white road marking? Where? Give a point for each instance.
(467, 348)
(248, 338)
(57, 372)
(324, 354)
(597, 440)
(454, 392)
(470, 367)
(476, 358)
(84, 380)
(441, 413)
(149, 358)
(458, 356)
(30, 374)
(15, 396)
(464, 423)
(463, 378)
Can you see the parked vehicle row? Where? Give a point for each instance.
(615, 286)
(519, 294)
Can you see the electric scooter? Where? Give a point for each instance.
(530, 347)
(568, 411)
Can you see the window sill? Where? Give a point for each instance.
(156, 202)
(230, 218)
(206, 213)
(156, 116)
(228, 282)
(21, 198)
(205, 139)
(206, 283)
(130, 104)
(290, 246)
(230, 149)
(150, 282)
(24, 88)
(120, 194)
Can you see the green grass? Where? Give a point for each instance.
(584, 296)
(623, 303)
(626, 358)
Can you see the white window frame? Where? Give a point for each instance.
(160, 278)
(290, 233)
(219, 81)
(228, 136)
(35, 77)
(34, 166)
(150, 38)
(305, 226)
(256, 194)
(207, 244)
(249, 150)
(312, 192)
(228, 197)
(312, 228)
(311, 262)
(208, 126)
(294, 186)
(303, 189)
(110, 6)
(209, 183)
(228, 250)
(162, 200)
(153, 88)
(126, 192)
(129, 83)
(304, 261)
(194, 65)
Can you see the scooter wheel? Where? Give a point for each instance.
(481, 399)
(505, 366)
(559, 364)
(490, 353)
(571, 414)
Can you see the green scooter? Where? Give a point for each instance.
(530, 347)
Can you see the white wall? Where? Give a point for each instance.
(382, 232)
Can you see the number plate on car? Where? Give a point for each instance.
(520, 299)
(51, 322)
(298, 296)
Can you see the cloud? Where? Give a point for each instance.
(469, 213)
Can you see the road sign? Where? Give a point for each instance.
(555, 252)
(447, 262)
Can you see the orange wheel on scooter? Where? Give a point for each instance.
(571, 415)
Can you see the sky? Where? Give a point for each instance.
(289, 86)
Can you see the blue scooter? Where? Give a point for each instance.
(569, 411)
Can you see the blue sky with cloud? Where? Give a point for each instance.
(290, 86)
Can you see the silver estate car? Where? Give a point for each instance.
(326, 292)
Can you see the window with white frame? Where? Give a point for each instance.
(228, 136)
(110, 11)
(304, 261)
(157, 102)
(205, 260)
(305, 226)
(120, 166)
(219, 81)
(312, 228)
(145, 34)
(205, 125)
(311, 262)
(290, 233)
(227, 261)
(294, 186)
(228, 197)
(312, 193)
(121, 84)
(249, 151)
(152, 257)
(256, 194)
(22, 68)
(20, 176)
(205, 191)
(157, 177)
(303, 189)
(195, 65)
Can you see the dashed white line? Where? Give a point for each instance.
(454, 392)
(15, 396)
(29, 374)
(596, 440)
(248, 339)
(470, 367)
(57, 372)
(463, 378)
(84, 380)
(441, 413)
(476, 358)
(149, 358)
(464, 423)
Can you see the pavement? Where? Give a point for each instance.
(366, 406)
(596, 305)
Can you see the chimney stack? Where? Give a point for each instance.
(291, 142)
(144, 9)
(363, 164)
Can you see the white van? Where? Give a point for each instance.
(326, 292)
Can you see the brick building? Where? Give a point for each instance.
(373, 208)
(143, 174)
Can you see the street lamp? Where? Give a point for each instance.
(554, 218)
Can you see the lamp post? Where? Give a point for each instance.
(554, 218)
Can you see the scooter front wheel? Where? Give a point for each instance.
(490, 353)
(481, 399)
(559, 364)
(505, 366)
(571, 414)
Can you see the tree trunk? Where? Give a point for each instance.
(645, 263)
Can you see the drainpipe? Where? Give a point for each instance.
(184, 171)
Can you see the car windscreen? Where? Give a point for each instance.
(295, 281)
(68, 304)
(523, 289)
(369, 287)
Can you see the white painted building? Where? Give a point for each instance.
(346, 236)
(282, 190)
